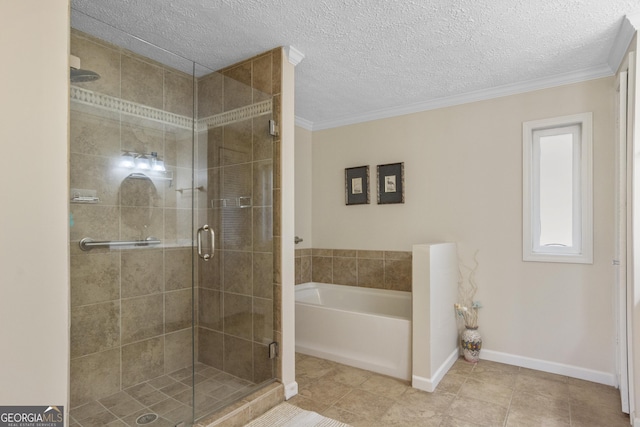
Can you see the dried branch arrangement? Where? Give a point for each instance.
(467, 309)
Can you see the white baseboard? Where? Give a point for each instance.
(290, 390)
(551, 367)
(422, 383)
(430, 384)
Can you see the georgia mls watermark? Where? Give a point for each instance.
(31, 416)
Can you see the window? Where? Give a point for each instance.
(557, 192)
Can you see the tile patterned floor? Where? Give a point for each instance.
(169, 396)
(485, 394)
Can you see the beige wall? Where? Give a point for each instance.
(303, 186)
(463, 172)
(34, 255)
(633, 292)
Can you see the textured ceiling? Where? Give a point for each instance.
(368, 57)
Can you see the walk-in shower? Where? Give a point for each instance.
(159, 152)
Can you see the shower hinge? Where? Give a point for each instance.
(273, 350)
(273, 128)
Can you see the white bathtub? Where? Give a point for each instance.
(361, 327)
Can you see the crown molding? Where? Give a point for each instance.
(480, 95)
(304, 123)
(630, 25)
(294, 55)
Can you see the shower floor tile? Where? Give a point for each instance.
(169, 397)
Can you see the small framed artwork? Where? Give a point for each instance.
(356, 183)
(390, 183)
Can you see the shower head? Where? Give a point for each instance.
(80, 76)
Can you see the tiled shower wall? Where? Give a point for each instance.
(236, 287)
(128, 303)
(369, 269)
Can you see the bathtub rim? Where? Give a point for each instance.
(362, 289)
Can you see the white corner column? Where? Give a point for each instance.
(290, 58)
(435, 334)
(34, 225)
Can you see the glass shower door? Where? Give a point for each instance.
(235, 175)
(131, 232)
(162, 147)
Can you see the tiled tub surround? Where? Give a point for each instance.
(349, 314)
(131, 309)
(365, 268)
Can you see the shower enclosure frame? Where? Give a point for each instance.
(196, 269)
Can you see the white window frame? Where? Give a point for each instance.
(582, 249)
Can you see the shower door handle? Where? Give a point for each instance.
(212, 239)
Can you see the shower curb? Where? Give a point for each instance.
(247, 409)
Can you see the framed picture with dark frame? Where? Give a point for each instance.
(356, 183)
(390, 183)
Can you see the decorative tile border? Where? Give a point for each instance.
(95, 99)
(242, 113)
(118, 105)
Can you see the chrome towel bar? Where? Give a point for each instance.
(87, 243)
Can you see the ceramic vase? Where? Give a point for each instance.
(471, 342)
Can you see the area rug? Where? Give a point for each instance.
(286, 415)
